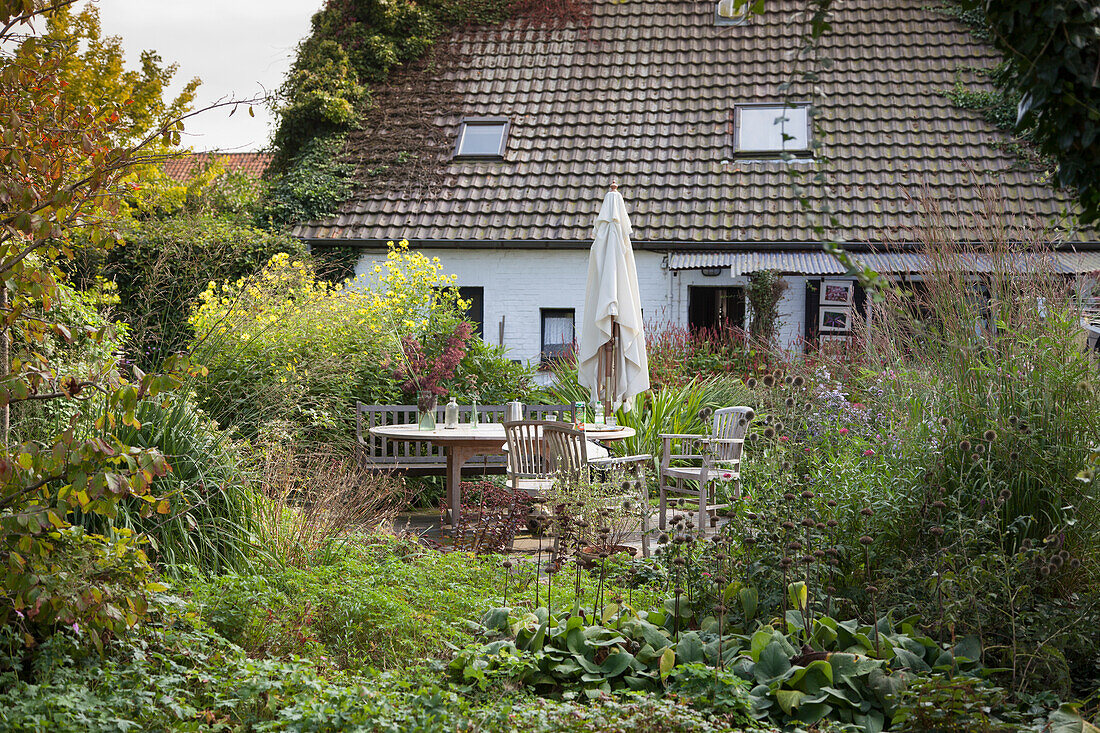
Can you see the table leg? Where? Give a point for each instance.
(457, 455)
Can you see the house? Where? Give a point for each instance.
(515, 134)
(182, 168)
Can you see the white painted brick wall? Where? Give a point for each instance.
(519, 282)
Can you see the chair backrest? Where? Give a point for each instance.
(730, 423)
(567, 447)
(527, 450)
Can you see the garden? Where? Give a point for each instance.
(191, 541)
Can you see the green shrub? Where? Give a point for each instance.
(209, 522)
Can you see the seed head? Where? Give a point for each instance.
(1044, 571)
(1075, 563)
(807, 494)
(938, 531)
(788, 525)
(832, 523)
(867, 511)
(990, 435)
(507, 564)
(964, 445)
(939, 504)
(769, 432)
(872, 589)
(866, 539)
(768, 381)
(789, 402)
(979, 448)
(807, 523)
(662, 538)
(751, 383)
(796, 545)
(975, 457)
(752, 516)
(830, 503)
(799, 381)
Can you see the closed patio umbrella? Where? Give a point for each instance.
(611, 355)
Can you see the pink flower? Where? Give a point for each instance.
(844, 431)
(76, 627)
(807, 449)
(726, 475)
(783, 438)
(868, 452)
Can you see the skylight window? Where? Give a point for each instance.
(483, 139)
(729, 14)
(769, 130)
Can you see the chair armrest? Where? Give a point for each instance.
(620, 460)
(725, 441)
(681, 435)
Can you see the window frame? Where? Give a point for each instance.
(728, 21)
(505, 122)
(806, 152)
(545, 356)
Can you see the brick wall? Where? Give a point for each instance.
(520, 282)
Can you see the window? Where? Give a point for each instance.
(714, 308)
(475, 309)
(482, 139)
(558, 335)
(729, 14)
(768, 130)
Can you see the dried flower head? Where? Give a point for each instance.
(807, 522)
(507, 564)
(789, 402)
(832, 523)
(769, 432)
(788, 379)
(872, 589)
(799, 381)
(1044, 571)
(867, 511)
(938, 531)
(990, 435)
(785, 465)
(830, 503)
(796, 545)
(964, 445)
(662, 538)
(866, 539)
(788, 525)
(975, 457)
(807, 494)
(820, 525)
(979, 448)
(945, 421)
(768, 381)
(939, 504)
(751, 383)
(819, 553)
(705, 413)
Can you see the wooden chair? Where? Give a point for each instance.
(569, 451)
(530, 467)
(709, 458)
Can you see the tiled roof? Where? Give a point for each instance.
(645, 95)
(183, 167)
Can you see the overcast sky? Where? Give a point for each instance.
(239, 48)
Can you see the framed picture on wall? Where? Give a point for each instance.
(837, 292)
(834, 319)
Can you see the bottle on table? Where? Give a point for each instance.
(450, 419)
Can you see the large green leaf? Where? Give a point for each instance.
(616, 664)
(690, 648)
(668, 661)
(773, 664)
(789, 699)
(811, 678)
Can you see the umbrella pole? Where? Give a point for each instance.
(608, 371)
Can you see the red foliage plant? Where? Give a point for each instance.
(424, 371)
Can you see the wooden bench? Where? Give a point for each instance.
(421, 458)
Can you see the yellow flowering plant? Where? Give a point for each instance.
(285, 345)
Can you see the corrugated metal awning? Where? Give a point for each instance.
(809, 262)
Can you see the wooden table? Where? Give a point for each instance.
(466, 441)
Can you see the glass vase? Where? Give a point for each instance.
(426, 402)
